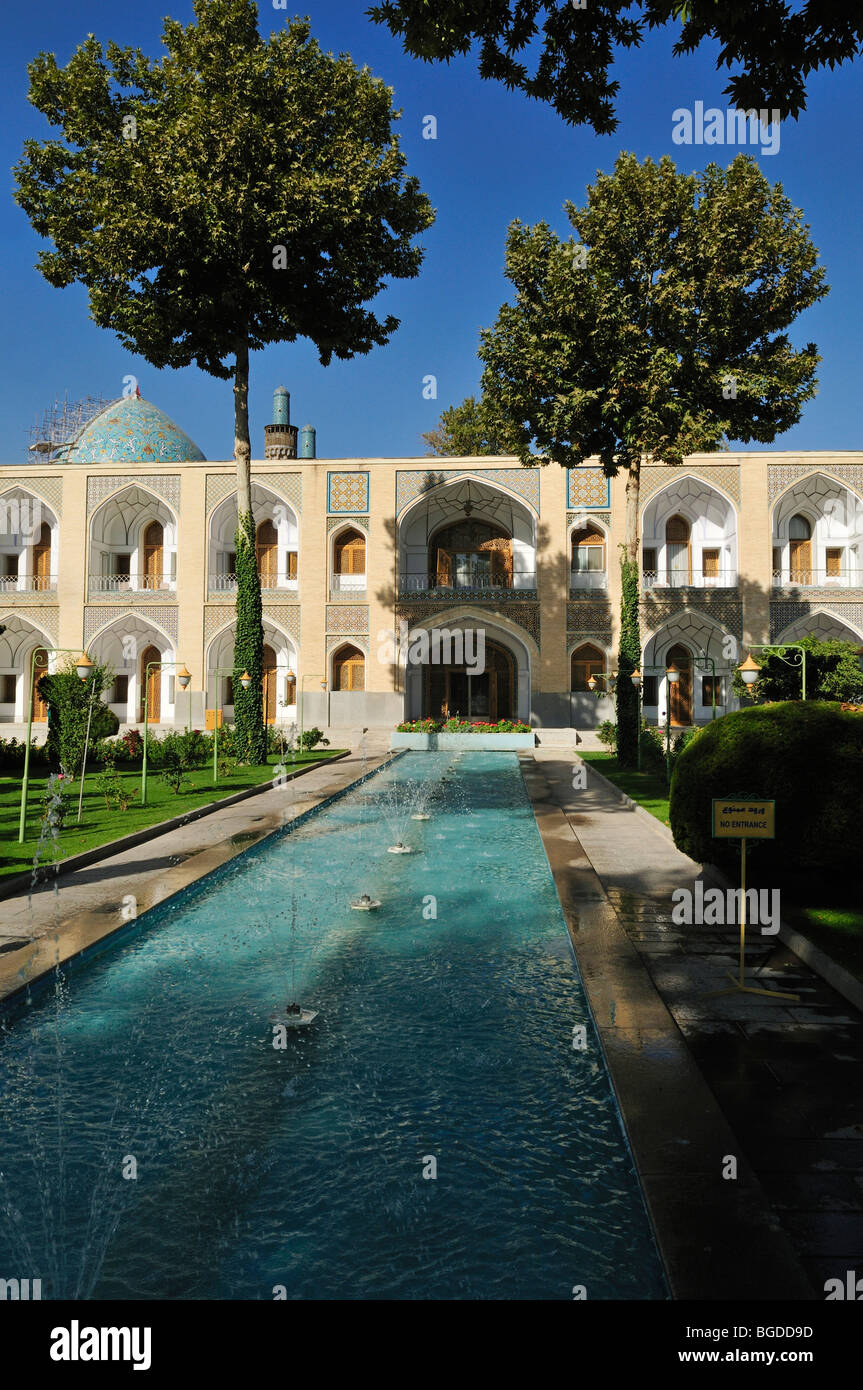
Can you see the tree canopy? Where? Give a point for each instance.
(467, 430)
(561, 51)
(832, 672)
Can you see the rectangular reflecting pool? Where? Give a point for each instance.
(435, 1134)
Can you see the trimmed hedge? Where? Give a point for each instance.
(807, 757)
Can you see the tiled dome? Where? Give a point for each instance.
(132, 430)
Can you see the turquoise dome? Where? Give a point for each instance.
(132, 430)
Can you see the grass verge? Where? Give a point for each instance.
(648, 789)
(100, 825)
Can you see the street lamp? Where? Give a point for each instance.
(245, 680)
(183, 677)
(750, 669)
(636, 681)
(83, 667)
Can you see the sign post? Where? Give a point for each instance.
(745, 820)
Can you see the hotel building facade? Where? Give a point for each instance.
(122, 542)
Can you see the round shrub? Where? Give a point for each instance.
(807, 757)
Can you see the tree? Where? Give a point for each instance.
(658, 333)
(230, 194)
(467, 430)
(68, 699)
(832, 673)
(774, 46)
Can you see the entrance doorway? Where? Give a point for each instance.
(680, 692)
(454, 690)
(152, 682)
(268, 684)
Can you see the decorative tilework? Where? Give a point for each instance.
(284, 615)
(165, 485)
(410, 485)
(49, 490)
(97, 618)
(45, 618)
(727, 611)
(288, 485)
(357, 639)
(589, 617)
(725, 476)
(782, 475)
(783, 615)
(334, 521)
(132, 430)
(347, 617)
(587, 487)
(347, 492)
(526, 615)
(572, 518)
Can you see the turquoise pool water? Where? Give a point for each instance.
(259, 1169)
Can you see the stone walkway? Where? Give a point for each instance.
(786, 1076)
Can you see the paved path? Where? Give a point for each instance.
(786, 1076)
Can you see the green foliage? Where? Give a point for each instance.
(628, 660)
(832, 673)
(117, 793)
(562, 53)
(56, 801)
(806, 757)
(249, 729)
(467, 430)
(310, 739)
(12, 755)
(462, 726)
(68, 699)
(177, 754)
(606, 732)
(687, 281)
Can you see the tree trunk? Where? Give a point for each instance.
(629, 651)
(250, 733)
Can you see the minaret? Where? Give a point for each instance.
(280, 438)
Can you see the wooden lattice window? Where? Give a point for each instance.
(350, 553)
(587, 661)
(349, 670)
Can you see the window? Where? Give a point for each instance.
(120, 691)
(587, 661)
(7, 693)
(229, 690)
(267, 552)
(777, 559)
(650, 691)
(707, 684)
(710, 564)
(648, 559)
(677, 554)
(799, 528)
(350, 553)
(588, 550)
(10, 566)
(349, 670)
(292, 564)
(833, 558)
(122, 566)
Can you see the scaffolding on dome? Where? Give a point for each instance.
(61, 424)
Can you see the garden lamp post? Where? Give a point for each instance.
(83, 672)
(750, 669)
(84, 667)
(183, 677)
(672, 675)
(218, 671)
(636, 681)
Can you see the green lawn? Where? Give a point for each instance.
(100, 825)
(648, 789)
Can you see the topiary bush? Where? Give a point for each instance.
(807, 757)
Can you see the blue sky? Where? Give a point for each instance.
(497, 156)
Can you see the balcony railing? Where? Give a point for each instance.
(28, 583)
(683, 579)
(582, 580)
(816, 579)
(476, 585)
(270, 583)
(347, 584)
(132, 584)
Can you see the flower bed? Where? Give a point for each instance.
(463, 726)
